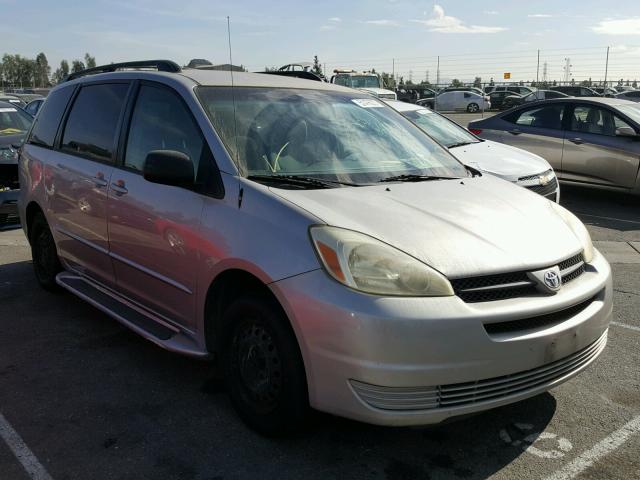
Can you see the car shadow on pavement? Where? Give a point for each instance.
(117, 405)
(602, 208)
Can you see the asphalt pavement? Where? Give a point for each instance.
(82, 397)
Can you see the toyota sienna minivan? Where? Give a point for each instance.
(320, 246)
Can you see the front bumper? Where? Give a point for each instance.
(360, 349)
(9, 217)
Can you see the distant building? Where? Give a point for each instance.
(198, 62)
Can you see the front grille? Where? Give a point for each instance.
(494, 287)
(502, 286)
(483, 391)
(9, 177)
(541, 321)
(544, 190)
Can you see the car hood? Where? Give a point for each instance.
(501, 160)
(465, 227)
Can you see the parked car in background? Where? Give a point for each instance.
(458, 100)
(369, 82)
(605, 92)
(623, 88)
(323, 248)
(497, 99)
(631, 95)
(515, 100)
(512, 164)
(575, 91)
(593, 142)
(14, 124)
(32, 107)
(517, 89)
(12, 99)
(462, 89)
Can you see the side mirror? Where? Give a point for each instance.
(626, 132)
(169, 167)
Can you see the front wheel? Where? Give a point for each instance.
(263, 367)
(473, 108)
(46, 263)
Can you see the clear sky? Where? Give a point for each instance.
(483, 38)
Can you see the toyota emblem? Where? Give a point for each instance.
(552, 279)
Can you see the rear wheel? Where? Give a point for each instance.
(46, 264)
(473, 108)
(263, 367)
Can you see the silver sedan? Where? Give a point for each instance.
(590, 141)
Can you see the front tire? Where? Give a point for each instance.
(263, 367)
(473, 108)
(46, 263)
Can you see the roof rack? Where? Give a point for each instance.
(160, 65)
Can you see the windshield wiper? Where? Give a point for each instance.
(415, 178)
(299, 180)
(460, 144)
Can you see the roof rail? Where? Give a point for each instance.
(160, 65)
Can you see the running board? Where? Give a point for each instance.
(162, 334)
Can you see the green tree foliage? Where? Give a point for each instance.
(89, 61)
(317, 69)
(61, 72)
(77, 66)
(42, 71)
(456, 83)
(477, 82)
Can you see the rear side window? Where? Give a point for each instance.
(599, 121)
(44, 131)
(549, 116)
(92, 123)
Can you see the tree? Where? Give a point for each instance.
(635, 84)
(456, 83)
(388, 80)
(62, 72)
(270, 69)
(89, 61)
(316, 66)
(491, 82)
(477, 82)
(42, 70)
(77, 66)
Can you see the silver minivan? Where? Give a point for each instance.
(313, 241)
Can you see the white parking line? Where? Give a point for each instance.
(624, 325)
(25, 456)
(601, 449)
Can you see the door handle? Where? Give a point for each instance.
(99, 180)
(576, 140)
(515, 131)
(118, 188)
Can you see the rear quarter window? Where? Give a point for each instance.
(91, 127)
(46, 125)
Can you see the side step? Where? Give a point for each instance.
(164, 335)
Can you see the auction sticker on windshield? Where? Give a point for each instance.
(5, 110)
(367, 102)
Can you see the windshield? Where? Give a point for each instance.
(14, 121)
(339, 136)
(358, 81)
(631, 111)
(444, 131)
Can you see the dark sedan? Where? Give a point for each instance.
(14, 124)
(590, 141)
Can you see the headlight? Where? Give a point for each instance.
(369, 265)
(578, 229)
